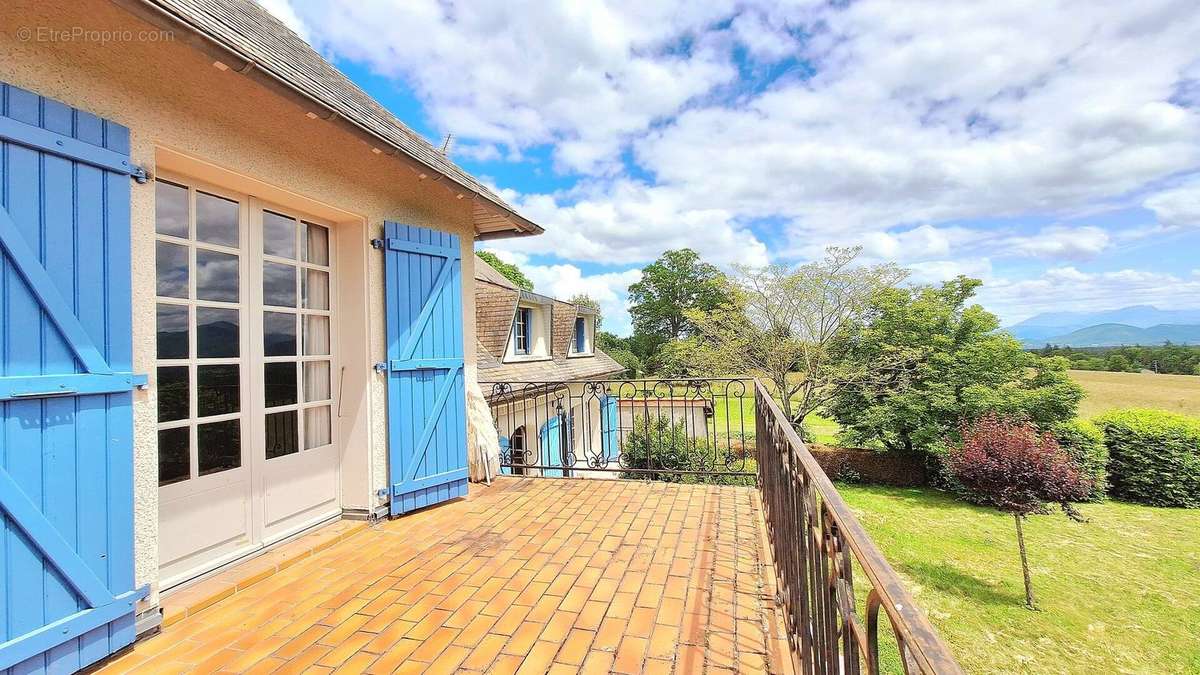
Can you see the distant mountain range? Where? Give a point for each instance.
(1137, 325)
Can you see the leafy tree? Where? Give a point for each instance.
(681, 358)
(619, 349)
(585, 300)
(1016, 469)
(510, 271)
(1118, 363)
(606, 340)
(946, 362)
(785, 322)
(632, 364)
(676, 283)
(646, 347)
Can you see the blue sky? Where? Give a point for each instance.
(1051, 149)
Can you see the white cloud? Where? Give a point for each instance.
(1061, 242)
(1178, 206)
(627, 222)
(974, 246)
(584, 76)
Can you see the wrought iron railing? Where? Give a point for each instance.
(675, 430)
(817, 545)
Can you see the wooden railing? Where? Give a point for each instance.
(817, 543)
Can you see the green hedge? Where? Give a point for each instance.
(1154, 456)
(1084, 442)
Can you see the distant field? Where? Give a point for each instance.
(1106, 391)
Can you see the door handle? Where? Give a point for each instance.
(341, 388)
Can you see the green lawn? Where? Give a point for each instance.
(1120, 593)
(741, 416)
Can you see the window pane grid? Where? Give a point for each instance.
(202, 290)
(305, 423)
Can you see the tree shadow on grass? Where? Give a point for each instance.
(953, 581)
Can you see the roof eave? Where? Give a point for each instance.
(222, 51)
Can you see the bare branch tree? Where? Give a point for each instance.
(784, 323)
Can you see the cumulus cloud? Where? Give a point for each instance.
(920, 131)
(928, 113)
(629, 221)
(1178, 206)
(584, 76)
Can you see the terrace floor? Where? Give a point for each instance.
(530, 575)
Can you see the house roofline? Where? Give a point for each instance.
(222, 50)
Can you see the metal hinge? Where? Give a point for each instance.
(139, 174)
(378, 244)
(381, 367)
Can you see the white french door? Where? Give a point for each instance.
(245, 375)
(299, 459)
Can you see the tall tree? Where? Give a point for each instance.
(508, 270)
(670, 287)
(784, 322)
(950, 363)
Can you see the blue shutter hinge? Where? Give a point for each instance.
(139, 174)
(378, 244)
(381, 367)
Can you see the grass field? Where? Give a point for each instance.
(741, 416)
(1120, 593)
(1106, 391)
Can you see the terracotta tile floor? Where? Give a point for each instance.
(531, 575)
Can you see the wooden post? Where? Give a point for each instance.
(1024, 562)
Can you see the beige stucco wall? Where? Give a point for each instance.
(171, 96)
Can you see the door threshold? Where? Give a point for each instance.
(191, 597)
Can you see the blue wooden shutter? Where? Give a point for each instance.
(550, 445)
(66, 440)
(427, 421)
(505, 455)
(580, 335)
(608, 427)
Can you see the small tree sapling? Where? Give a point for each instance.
(1016, 469)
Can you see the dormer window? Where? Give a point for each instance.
(530, 336)
(583, 336)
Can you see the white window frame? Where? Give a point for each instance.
(538, 339)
